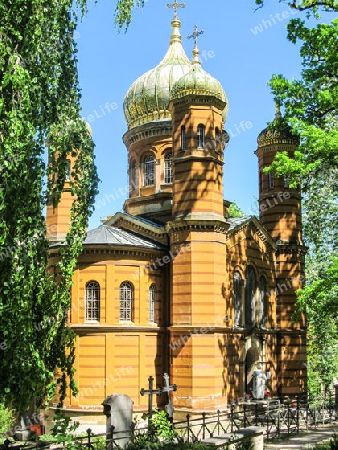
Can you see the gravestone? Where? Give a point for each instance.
(167, 388)
(258, 383)
(24, 433)
(118, 409)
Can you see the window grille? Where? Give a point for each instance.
(237, 299)
(183, 138)
(92, 301)
(250, 292)
(168, 174)
(149, 171)
(151, 303)
(126, 302)
(201, 136)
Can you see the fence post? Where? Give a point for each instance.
(297, 414)
(89, 431)
(218, 421)
(203, 425)
(267, 423)
(244, 412)
(112, 428)
(188, 425)
(256, 414)
(232, 407)
(278, 419)
(288, 416)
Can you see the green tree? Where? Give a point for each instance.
(235, 210)
(310, 104)
(39, 101)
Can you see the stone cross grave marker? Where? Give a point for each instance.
(150, 392)
(167, 388)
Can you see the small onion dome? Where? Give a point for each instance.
(89, 129)
(279, 132)
(148, 97)
(199, 82)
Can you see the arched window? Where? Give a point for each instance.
(286, 182)
(151, 303)
(237, 299)
(201, 136)
(262, 307)
(132, 175)
(183, 138)
(250, 294)
(126, 301)
(271, 180)
(92, 301)
(149, 171)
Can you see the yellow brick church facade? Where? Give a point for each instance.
(173, 284)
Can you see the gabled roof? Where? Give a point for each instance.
(238, 223)
(107, 235)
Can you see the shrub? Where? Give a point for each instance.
(7, 419)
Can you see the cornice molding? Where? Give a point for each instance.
(218, 226)
(148, 130)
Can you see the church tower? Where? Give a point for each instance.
(58, 217)
(149, 135)
(280, 214)
(197, 237)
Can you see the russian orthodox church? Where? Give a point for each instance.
(174, 284)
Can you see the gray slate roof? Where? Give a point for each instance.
(144, 221)
(116, 236)
(237, 221)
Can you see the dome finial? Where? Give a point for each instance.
(195, 51)
(175, 5)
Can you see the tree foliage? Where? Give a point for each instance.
(305, 5)
(123, 12)
(235, 210)
(39, 101)
(311, 104)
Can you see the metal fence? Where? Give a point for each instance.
(277, 417)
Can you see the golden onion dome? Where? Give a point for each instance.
(199, 82)
(279, 132)
(148, 97)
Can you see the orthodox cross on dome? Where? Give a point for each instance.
(175, 5)
(195, 34)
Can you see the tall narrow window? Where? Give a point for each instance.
(149, 171)
(260, 181)
(201, 136)
(286, 182)
(168, 174)
(183, 138)
(271, 180)
(250, 297)
(133, 175)
(92, 301)
(151, 303)
(126, 302)
(237, 299)
(262, 309)
(68, 170)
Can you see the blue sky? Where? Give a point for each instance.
(240, 47)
